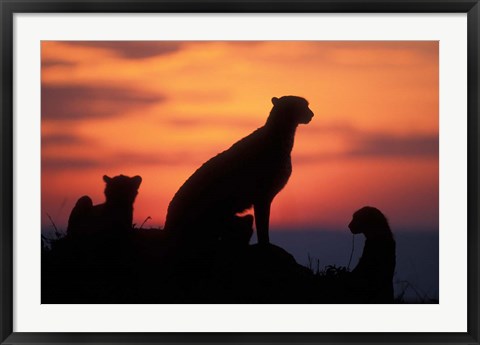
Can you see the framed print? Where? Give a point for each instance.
(249, 172)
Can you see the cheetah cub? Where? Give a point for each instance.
(113, 216)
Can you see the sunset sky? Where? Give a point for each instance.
(161, 109)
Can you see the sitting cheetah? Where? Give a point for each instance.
(113, 216)
(371, 280)
(250, 173)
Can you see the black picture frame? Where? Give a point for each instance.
(9, 7)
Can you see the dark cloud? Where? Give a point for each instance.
(61, 139)
(56, 63)
(70, 163)
(132, 49)
(117, 159)
(392, 146)
(375, 145)
(81, 102)
(417, 47)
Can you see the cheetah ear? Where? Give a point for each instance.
(274, 100)
(136, 181)
(107, 179)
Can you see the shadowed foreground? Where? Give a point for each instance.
(142, 266)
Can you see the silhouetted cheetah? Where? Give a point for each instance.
(250, 173)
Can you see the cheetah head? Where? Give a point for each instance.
(122, 189)
(291, 109)
(369, 221)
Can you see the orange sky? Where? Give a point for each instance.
(161, 109)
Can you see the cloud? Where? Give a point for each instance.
(365, 144)
(80, 102)
(119, 159)
(392, 146)
(46, 62)
(62, 139)
(132, 49)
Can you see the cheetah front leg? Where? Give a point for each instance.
(262, 219)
